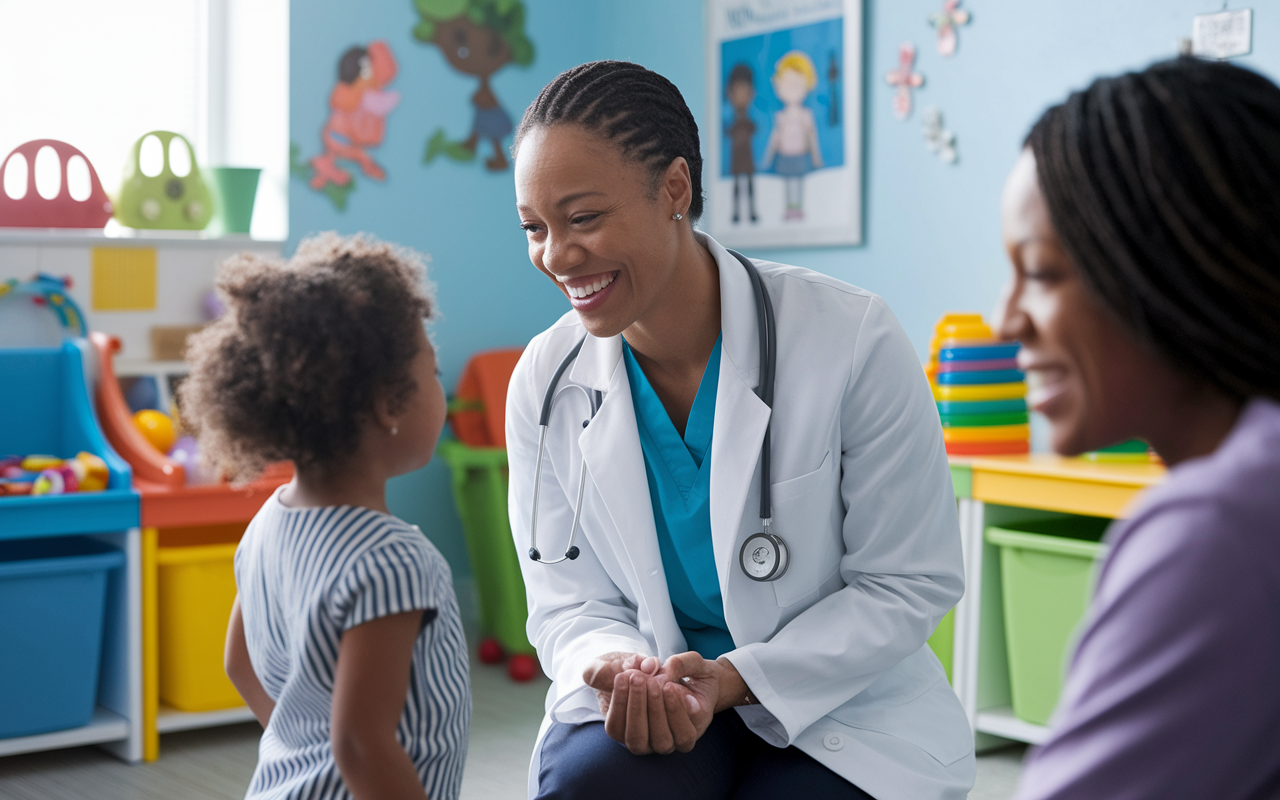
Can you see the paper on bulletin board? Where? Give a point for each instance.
(123, 279)
(784, 78)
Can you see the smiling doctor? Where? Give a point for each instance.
(745, 526)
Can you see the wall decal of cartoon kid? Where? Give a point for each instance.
(358, 109)
(477, 38)
(740, 91)
(794, 139)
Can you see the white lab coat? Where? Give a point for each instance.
(834, 650)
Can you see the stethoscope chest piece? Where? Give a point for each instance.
(764, 557)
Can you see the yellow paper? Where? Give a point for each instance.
(123, 279)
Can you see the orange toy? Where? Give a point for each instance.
(157, 428)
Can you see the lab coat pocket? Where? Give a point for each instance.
(913, 702)
(806, 513)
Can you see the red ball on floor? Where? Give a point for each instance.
(522, 668)
(491, 652)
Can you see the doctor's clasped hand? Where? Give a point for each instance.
(662, 708)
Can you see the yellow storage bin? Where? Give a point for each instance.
(197, 589)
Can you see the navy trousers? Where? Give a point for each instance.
(729, 762)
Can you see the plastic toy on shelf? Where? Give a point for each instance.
(980, 392)
(157, 428)
(69, 564)
(37, 475)
(189, 534)
(30, 210)
(166, 200)
(39, 312)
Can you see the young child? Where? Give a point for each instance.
(345, 638)
(795, 133)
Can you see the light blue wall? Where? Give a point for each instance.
(932, 239)
(463, 216)
(932, 234)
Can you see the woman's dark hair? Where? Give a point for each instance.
(625, 103)
(293, 368)
(1164, 186)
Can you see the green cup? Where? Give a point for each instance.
(237, 187)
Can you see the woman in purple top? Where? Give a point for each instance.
(1143, 224)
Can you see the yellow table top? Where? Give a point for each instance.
(1055, 483)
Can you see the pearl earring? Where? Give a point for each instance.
(677, 217)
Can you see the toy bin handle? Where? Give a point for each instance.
(164, 138)
(31, 173)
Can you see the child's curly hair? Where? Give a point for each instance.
(293, 369)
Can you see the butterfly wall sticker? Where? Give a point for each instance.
(947, 21)
(938, 139)
(904, 79)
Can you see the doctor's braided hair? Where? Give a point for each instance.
(641, 111)
(1164, 187)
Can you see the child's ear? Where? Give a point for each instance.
(382, 415)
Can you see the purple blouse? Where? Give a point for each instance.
(1174, 689)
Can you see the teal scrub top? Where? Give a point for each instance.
(679, 472)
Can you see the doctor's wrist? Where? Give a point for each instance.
(733, 690)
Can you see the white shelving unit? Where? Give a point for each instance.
(186, 266)
(170, 719)
(117, 721)
(1001, 722)
(1018, 489)
(980, 666)
(107, 727)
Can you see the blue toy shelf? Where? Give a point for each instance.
(45, 408)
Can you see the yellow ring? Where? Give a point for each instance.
(986, 391)
(992, 433)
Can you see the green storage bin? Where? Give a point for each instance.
(480, 490)
(943, 641)
(1047, 571)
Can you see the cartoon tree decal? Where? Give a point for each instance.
(477, 38)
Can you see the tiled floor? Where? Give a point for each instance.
(216, 764)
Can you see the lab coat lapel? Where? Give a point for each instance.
(611, 452)
(740, 420)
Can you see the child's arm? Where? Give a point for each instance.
(240, 670)
(369, 694)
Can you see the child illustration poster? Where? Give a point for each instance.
(787, 155)
(357, 122)
(477, 38)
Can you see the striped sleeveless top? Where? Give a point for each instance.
(306, 575)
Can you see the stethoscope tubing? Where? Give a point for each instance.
(768, 342)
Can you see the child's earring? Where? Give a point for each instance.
(394, 430)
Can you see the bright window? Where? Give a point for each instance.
(99, 75)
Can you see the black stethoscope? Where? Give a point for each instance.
(764, 556)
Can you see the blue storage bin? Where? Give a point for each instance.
(45, 408)
(53, 600)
